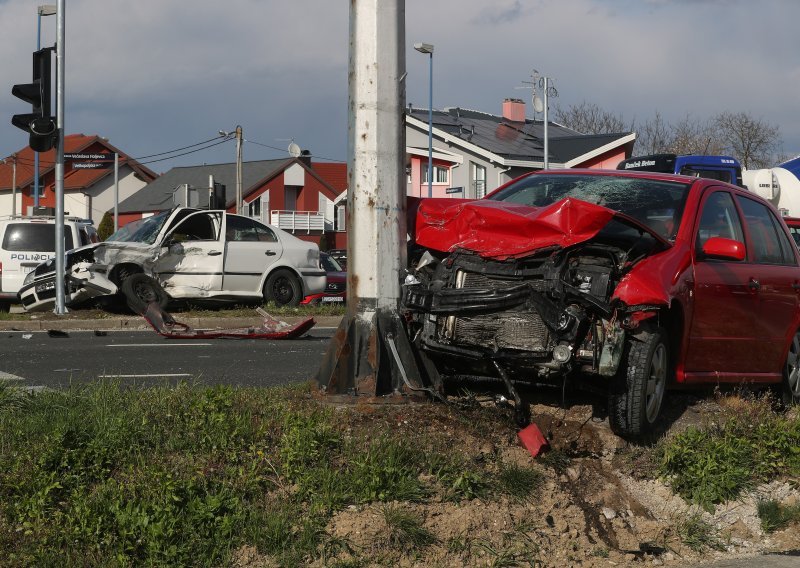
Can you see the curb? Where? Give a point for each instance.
(138, 323)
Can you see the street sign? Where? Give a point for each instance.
(90, 165)
(97, 156)
(454, 189)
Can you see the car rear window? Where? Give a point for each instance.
(34, 237)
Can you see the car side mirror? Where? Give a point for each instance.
(724, 249)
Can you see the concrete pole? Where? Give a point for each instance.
(239, 170)
(60, 308)
(370, 353)
(376, 140)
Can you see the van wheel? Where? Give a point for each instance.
(283, 288)
(5, 307)
(635, 403)
(140, 290)
(790, 393)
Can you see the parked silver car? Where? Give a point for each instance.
(185, 254)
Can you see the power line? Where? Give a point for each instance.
(187, 153)
(178, 149)
(287, 151)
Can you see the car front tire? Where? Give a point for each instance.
(790, 393)
(283, 288)
(140, 290)
(635, 403)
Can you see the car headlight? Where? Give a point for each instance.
(29, 277)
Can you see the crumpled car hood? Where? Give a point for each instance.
(502, 230)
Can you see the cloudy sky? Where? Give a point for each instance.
(157, 75)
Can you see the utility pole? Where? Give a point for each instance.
(14, 184)
(238, 170)
(371, 354)
(116, 191)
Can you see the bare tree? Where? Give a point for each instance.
(588, 118)
(692, 136)
(653, 137)
(754, 142)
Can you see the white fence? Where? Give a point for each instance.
(298, 220)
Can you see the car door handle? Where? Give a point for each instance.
(270, 253)
(754, 284)
(214, 253)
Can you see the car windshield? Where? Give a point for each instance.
(142, 231)
(657, 204)
(329, 263)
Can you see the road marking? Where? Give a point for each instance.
(161, 345)
(144, 376)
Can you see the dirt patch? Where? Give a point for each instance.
(599, 503)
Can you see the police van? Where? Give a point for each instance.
(25, 242)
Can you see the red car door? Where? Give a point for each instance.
(775, 269)
(723, 299)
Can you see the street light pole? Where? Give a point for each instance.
(428, 48)
(60, 308)
(238, 170)
(43, 10)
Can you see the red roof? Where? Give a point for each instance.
(73, 179)
(334, 174)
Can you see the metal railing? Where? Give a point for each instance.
(298, 220)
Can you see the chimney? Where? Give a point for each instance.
(305, 157)
(514, 110)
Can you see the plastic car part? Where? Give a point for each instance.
(166, 326)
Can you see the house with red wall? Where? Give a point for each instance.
(89, 184)
(293, 194)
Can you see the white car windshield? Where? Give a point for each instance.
(142, 231)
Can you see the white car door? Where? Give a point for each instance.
(192, 256)
(251, 248)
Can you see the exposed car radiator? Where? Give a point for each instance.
(512, 329)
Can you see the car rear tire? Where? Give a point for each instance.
(140, 290)
(283, 288)
(635, 403)
(790, 393)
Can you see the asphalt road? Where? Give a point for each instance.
(37, 359)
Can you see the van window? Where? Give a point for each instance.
(34, 237)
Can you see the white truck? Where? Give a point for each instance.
(779, 185)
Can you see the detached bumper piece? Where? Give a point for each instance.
(166, 326)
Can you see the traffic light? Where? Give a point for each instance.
(39, 122)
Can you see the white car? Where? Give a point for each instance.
(27, 241)
(193, 255)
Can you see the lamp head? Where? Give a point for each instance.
(424, 47)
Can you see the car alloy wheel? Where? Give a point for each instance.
(791, 377)
(635, 400)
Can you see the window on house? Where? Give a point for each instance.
(254, 208)
(440, 174)
(478, 175)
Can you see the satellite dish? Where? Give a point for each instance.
(538, 105)
(294, 150)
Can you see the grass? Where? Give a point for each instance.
(405, 530)
(747, 444)
(775, 516)
(698, 535)
(102, 475)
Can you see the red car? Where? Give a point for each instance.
(335, 289)
(633, 282)
(794, 228)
